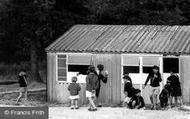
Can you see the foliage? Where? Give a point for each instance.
(27, 23)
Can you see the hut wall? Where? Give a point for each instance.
(185, 77)
(50, 75)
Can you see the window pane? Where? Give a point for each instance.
(131, 69)
(62, 56)
(147, 69)
(150, 61)
(62, 72)
(82, 69)
(61, 62)
(171, 64)
(130, 60)
(79, 59)
(62, 78)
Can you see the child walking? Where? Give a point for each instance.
(74, 89)
(92, 85)
(23, 85)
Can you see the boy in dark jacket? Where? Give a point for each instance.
(23, 85)
(74, 89)
(92, 85)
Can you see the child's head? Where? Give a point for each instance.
(74, 79)
(100, 67)
(91, 68)
(171, 71)
(155, 69)
(22, 72)
(125, 77)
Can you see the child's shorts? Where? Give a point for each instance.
(23, 89)
(155, 90)
(90, 94)
(74, 97)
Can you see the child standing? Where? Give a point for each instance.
(173, 79)
(23, 85)
(74, 89)
(92, 85)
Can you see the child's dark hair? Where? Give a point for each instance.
(91, 68)
(74, 79)
(100, 67)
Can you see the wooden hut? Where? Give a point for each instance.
(120, 48)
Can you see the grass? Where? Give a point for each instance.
(35, 98)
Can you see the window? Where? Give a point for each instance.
(78, 64)
(171, 64)
(131, 64)
(61, 68)
(130, 69)
(147, 69)
(149, 62)
(81, 69)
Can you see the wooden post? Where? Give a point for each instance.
(161, 72)
(141, 73)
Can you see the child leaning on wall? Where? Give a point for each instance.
(74, 89)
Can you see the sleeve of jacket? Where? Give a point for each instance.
(97, 83)
(69, 87)
(79, 88)
(103, 78)
(147, 79)
(160, 78)
(87, 80)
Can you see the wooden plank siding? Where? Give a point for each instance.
(50, 74)
(110, 92)
(185, 77)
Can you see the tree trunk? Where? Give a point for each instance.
(34, 64)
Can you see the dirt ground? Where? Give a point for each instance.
(117, 113)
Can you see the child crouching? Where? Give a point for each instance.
(74, 89)
(136, 102)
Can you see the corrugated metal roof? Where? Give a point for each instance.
(124, 39)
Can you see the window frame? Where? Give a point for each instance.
(57, 68)
(67, 55)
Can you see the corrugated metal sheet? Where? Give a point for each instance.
(124, 39)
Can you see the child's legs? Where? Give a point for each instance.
(72, 102)
(155, 95)
(91, 102)
(76, 102)
(20, 96)
(25, 93)
(180, 100)
(176, 100)
(133, 104)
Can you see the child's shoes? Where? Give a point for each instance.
(72, 107)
